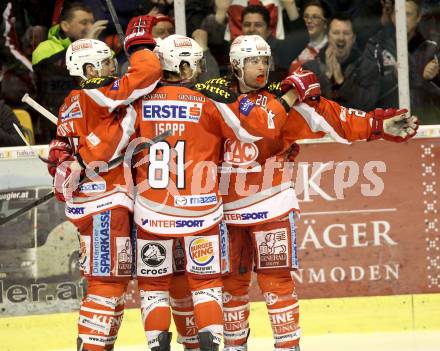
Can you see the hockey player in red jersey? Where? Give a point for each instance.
(180, 199)
(94, 123)
(261, 219)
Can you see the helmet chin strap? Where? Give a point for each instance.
(242, 81)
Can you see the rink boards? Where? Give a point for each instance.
(369, 226)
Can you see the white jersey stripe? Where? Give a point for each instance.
(103, 100)
(96, 311)
(234, 123)
(317, 123)
(127, 125)
(283, 309)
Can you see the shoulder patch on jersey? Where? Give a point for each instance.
(115, 85)
(97, 82)
(219, 93)
(73, 111)
(246, 106)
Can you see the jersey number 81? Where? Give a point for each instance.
(159, 167)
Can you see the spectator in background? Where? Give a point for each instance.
(315, 15)
(274, 7)
(21, 33)
(255, 20)
(196, 11)
(164, 26)
(212, 69)
(377, 74)
(8, 135)
(337, 62)
(48, 61)
(367, 16)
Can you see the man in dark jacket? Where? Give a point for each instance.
(336, 63)
(377, 75)
(48, 61)
(8, 135)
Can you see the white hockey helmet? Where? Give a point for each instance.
(175, 49)
(245, 46)
(84, 51)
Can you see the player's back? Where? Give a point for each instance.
(181, 196)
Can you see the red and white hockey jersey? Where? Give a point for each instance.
(259, 190)
(98, 121)
(178, 187)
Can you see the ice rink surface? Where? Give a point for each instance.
(392, 341)
(390, 323)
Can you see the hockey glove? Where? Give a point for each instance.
(304, 82)
(66, 180)
(393, 125)
(138, 34)
(59, 151)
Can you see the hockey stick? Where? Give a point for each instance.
(37, 107)
(110, 164)
(118, 27)
(45, 160)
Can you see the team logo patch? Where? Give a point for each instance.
(246, 106)
(153, 254)
(201, 251)
(171, 111)
(123, 249)
(273, 248)
(115, 85)
(74, 111)
(92, 187)
(202, 254)
(84, 254)
(182, 42)
(93, 139)
(270, 298)
(226, 297)
(224, 247)
(81, 44)
(154, 258)
(239, 153)
(101, 244)
(195, 200)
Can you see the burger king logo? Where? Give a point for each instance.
(201, 251)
